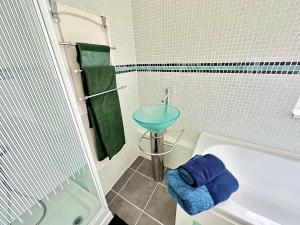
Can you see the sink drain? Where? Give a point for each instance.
(77, 220)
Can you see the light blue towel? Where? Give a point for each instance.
(192, 200)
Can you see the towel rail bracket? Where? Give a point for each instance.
(54, 12)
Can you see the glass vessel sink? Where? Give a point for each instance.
(156, 118)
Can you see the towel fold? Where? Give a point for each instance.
(201, 169)
(104, 110)
(197, 199)
(222, 187)
(90, 55)
(192, 200)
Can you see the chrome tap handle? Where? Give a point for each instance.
(166, 98)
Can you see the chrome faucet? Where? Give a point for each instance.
(166, 98)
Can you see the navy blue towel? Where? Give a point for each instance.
(197, 199)
(222, 187)
(201, 169)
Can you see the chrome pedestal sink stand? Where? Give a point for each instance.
(157, 153)
(157, 144)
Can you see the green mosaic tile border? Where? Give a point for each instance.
(241, 67)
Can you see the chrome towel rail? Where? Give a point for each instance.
(77, 71)
(102, 93)
(70, 44)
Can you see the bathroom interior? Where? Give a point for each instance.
(111, 110)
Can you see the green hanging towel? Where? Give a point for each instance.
(104, 110)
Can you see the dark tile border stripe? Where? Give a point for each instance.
(290, 67)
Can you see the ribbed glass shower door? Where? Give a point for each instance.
(45, 174)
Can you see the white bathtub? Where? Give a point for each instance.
(269, 192)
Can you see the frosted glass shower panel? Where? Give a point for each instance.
(41, 153)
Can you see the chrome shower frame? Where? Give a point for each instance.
(104, 215)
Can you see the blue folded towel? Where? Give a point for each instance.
(197, 199)
(192, 200)
(222, 187)
(201, 169)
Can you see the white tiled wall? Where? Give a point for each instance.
(216, 31)
(249, 107)
(119, 16)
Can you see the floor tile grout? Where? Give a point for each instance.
(137, 207)
(147, 202)
(121, 176)
(121, 187)
(150, 178)
(126, 181)
(139, 164)
(113, 197)
(156, 220)
(128, 201)
(108, 203)
(146, 175)
(130, 177)
(142, 210)
(143, 175)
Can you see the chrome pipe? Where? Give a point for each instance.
(173, 145)
(156, 143)
(102, 93)
(67, 44)
(166, 98)
(157, 151)
(70, 44)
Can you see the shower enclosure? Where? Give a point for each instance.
(47, 175)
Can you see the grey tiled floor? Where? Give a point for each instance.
(139, 200)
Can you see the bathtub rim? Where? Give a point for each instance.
(204, 143)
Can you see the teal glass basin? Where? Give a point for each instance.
(156, 118)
